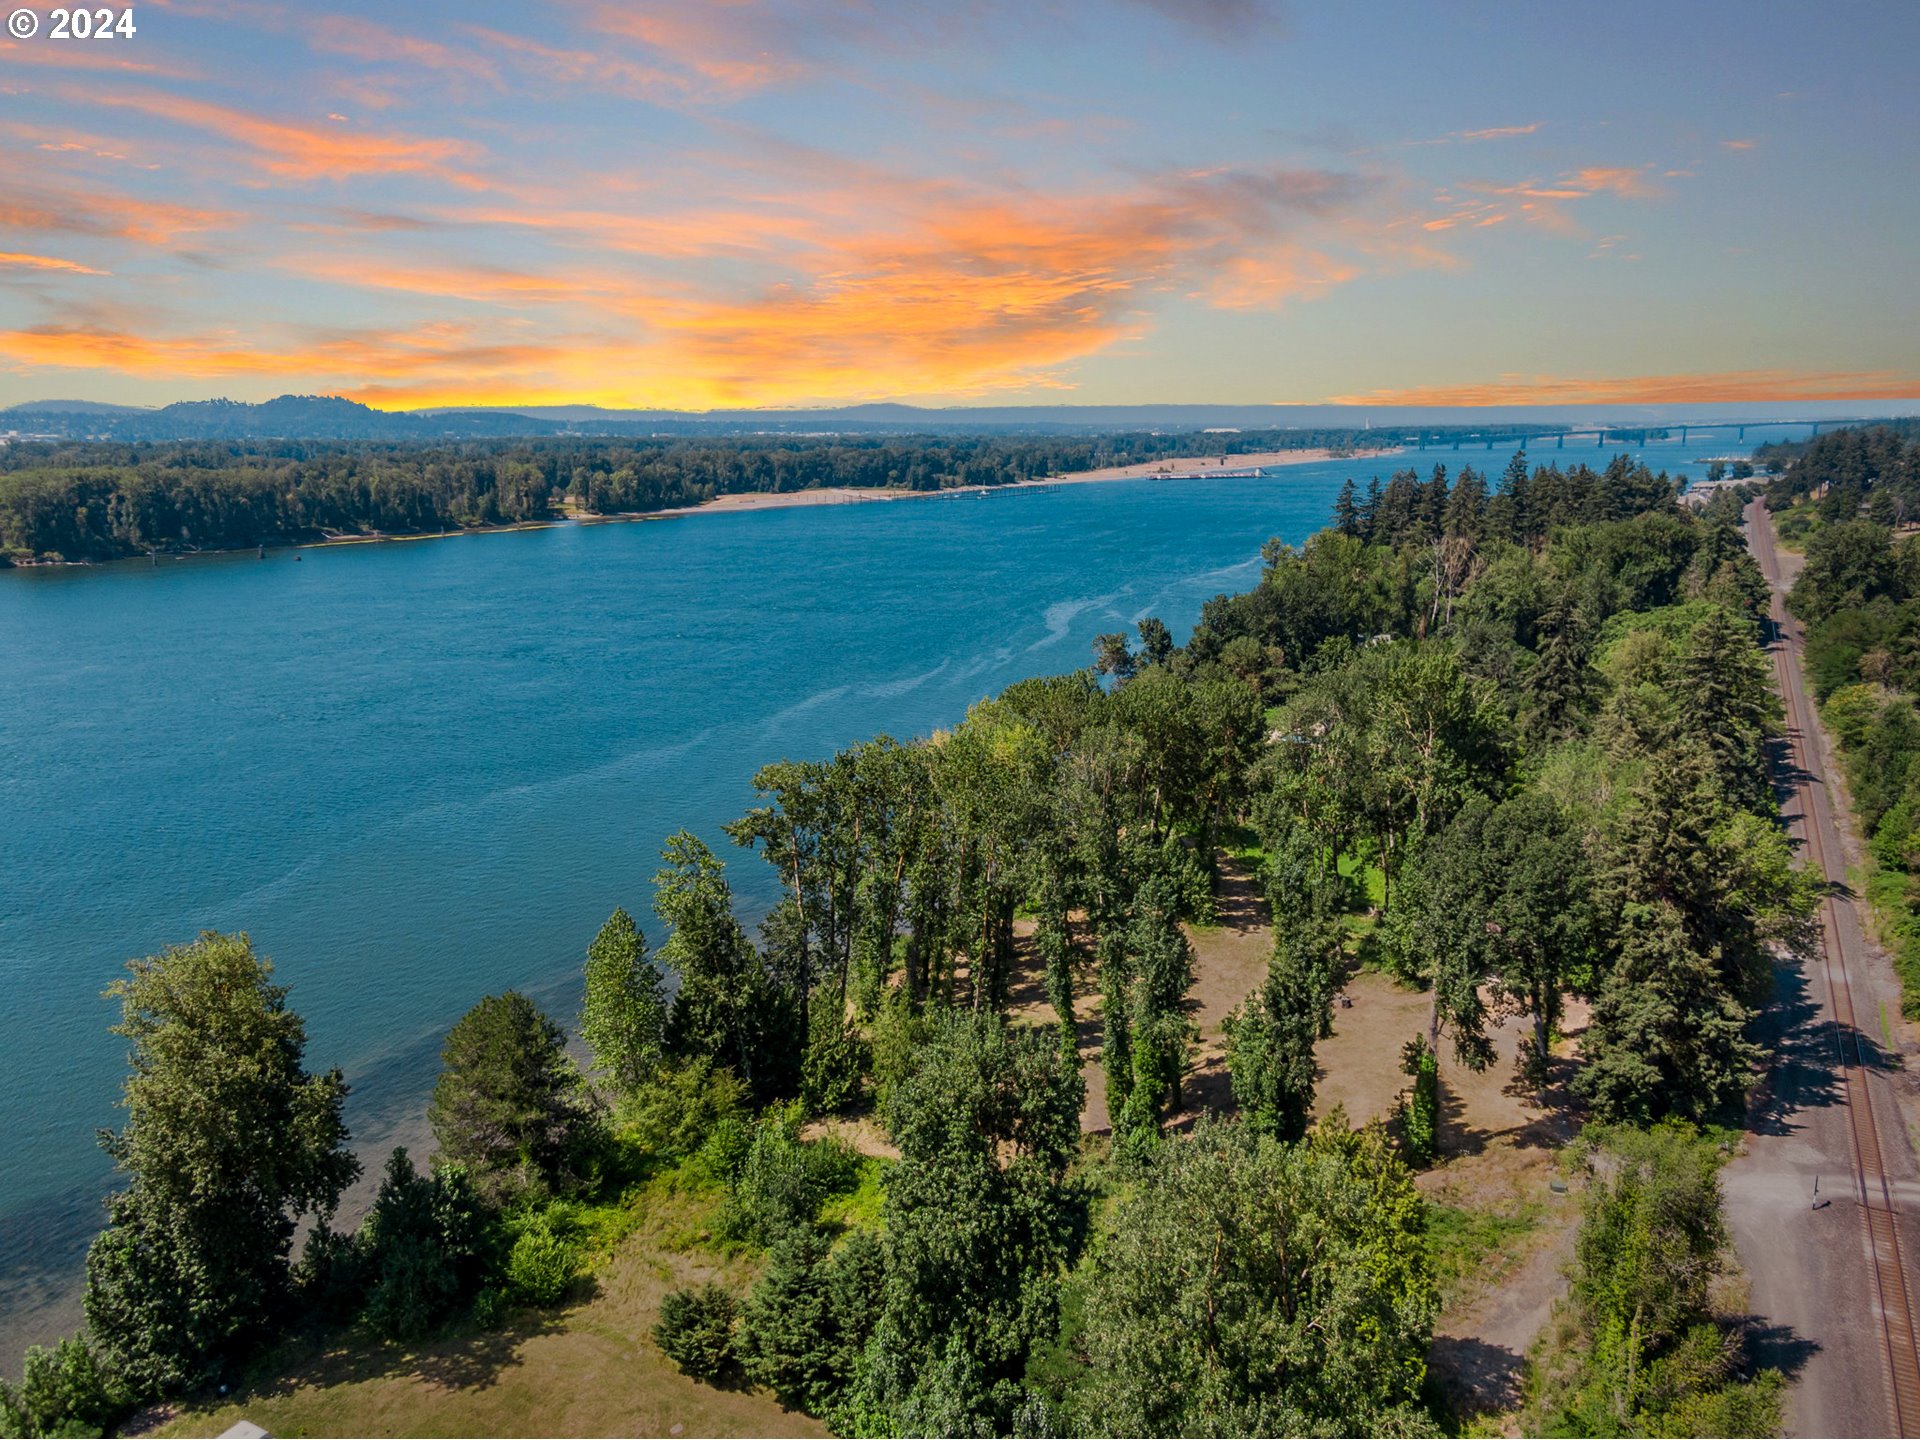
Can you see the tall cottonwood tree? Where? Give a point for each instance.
(1500, 899)
(624, 1015)
(229, 1142)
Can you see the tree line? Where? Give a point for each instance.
(101, 500)
(1849, 497)
(1533, 713)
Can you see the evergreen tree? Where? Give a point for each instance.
(1666, 1037)
(1558, 685)
(786, 1339)
(1156, 641)
(1466, 505)
(1346, 510)
(1430, 507)
(1112, 657)
(806, 1321)
(1270, 1039)
(508, 1104)
(424, 1249)
(1726, 699)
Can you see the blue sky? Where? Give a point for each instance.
(762, 202)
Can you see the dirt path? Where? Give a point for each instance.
(1229, 963)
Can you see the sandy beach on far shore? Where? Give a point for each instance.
(1173, 468)
(1195, 467)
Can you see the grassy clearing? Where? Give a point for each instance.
(1471, 1249)
(1373, 883)
(1794, 526)
(589, 1369)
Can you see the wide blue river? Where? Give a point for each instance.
(417, 773)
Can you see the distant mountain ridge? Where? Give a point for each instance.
(331, 417)
(288, 417)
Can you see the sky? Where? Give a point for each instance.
(722, 203)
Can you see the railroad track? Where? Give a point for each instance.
(1873, 1190)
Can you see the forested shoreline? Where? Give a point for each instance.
(83, 501)
(1504, 739)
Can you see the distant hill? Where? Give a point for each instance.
(324, 417)
(290, 417)
(75, 407)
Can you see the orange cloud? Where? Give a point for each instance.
(1264, 281)
(599, 69)
(454, 281)
(960, 294)
(1500, 132)
(1545, 203)
(228, 354)
(732, 46)
(47, 262)
(309, 152)
(54, 209)
(111, 57)
(360, 39)
(1723, 387)
(1472, 137)
(1630, 183)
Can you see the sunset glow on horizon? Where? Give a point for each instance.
(769, 203)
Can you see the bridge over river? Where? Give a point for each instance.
(1605, 434)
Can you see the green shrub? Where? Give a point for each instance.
(695, 1330)
(806, 1322)
(835, 1060)
(332, 1275)
(423, 1246)
(784, 1179)
(490, 1307)
(1420, 1115)
(1639, 1349)
(900, 1033)
(673, 1114)
(723, 1155)
(63, 1391)
(542, 1264)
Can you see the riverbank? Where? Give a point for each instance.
(1178, 468)
(1197, 467)
(1185, 468)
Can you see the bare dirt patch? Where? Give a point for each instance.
(1229, 961)
(862, 1133)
